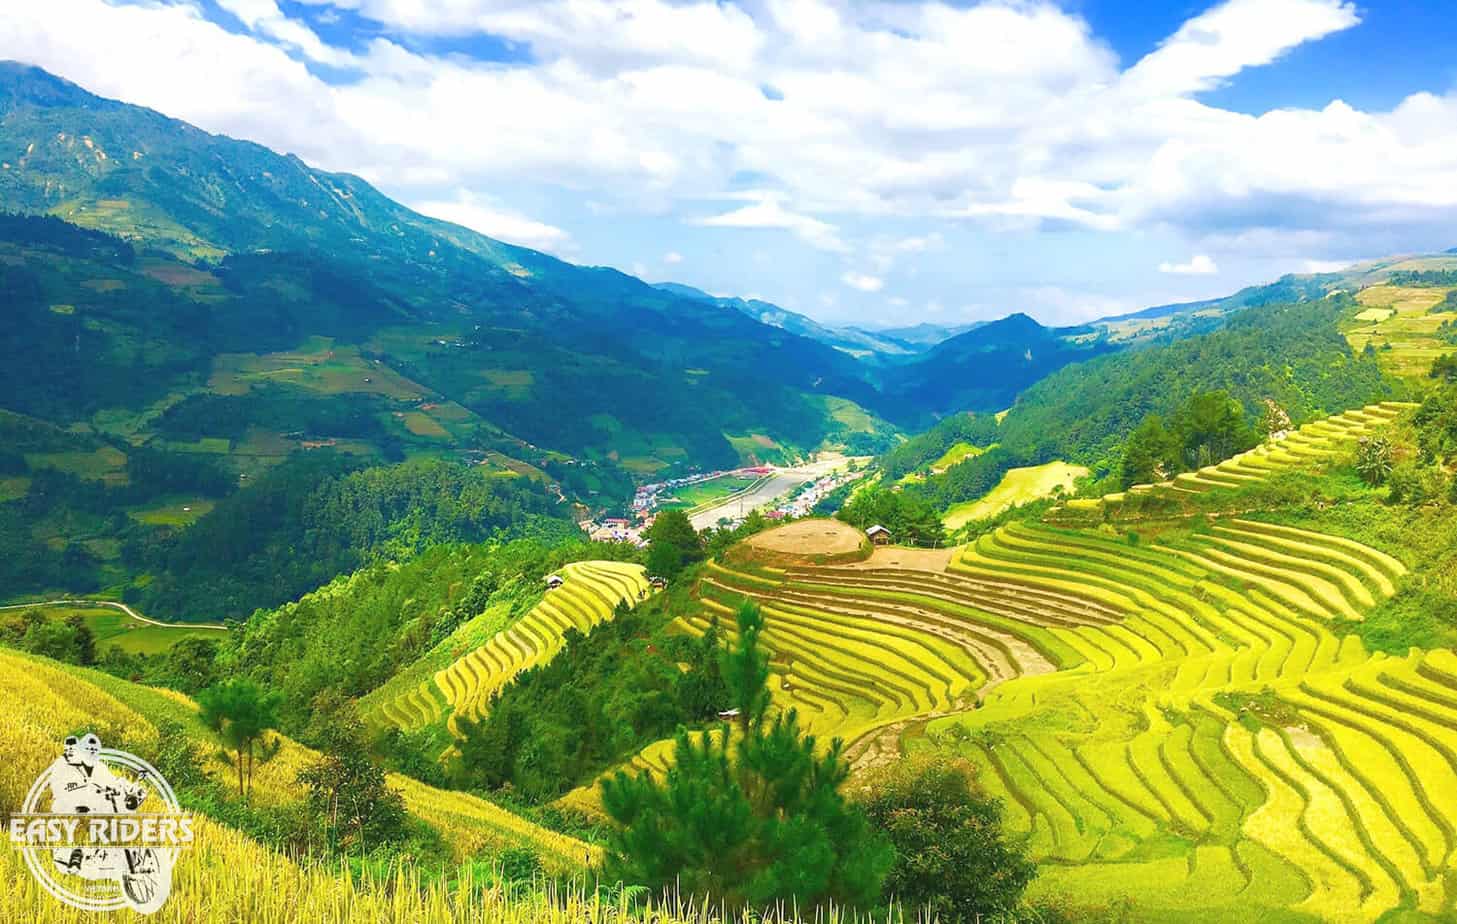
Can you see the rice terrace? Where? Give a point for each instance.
(728, 462)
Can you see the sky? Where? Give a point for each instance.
(872, 163)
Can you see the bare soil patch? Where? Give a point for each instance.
(809, 539)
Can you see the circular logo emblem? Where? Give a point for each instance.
(100, 829)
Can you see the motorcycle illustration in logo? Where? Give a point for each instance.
(111, 833)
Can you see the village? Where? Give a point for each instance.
(778, 493)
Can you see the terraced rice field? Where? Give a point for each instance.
(1400, 323)
(590, 593)
(46, 701)
(1315, 442)
(1185, 723)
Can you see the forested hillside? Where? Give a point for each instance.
(1291, 354)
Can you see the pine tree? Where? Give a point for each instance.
(751, 817)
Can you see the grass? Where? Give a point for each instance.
(115, 629)
(1018, 486)
(174, 512)
(704, 493)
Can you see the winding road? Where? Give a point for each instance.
(117, 606)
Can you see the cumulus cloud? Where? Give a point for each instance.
(1198, 265)
(767, 212)
(994, 114)
(493, 221)
(862, 281)
(672, 257)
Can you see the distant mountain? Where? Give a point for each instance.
(924, 335)
(856, 341)
(984, 369)
(586, 361)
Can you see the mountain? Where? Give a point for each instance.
(984, 369)
(924, 335)
(857, 342)
(505, 343)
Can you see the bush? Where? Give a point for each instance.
(953, 860)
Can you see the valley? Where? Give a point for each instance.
(445, 579)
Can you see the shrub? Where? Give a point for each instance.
(953, 860)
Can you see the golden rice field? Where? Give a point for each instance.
(47, 701)
(226, 877)
(590, 593)
(1315, 442)
(1182, 725)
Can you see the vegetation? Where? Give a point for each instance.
(909, 517)
(953, 860)
(753, 823)
(603, 698)
(673, 544)
(1208, 428)
(240, 713)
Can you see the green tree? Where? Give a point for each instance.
(1373, 459)
(349, 798)
(1444, 368)
(746, 670)
(909, 516)
(1211, 427)
(953, 859)
(83, 642)
(673, 544)
(758, 821)
(1151, 453)
(241, 712)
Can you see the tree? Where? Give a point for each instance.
(1373, 459)
(349, 798)
(241, 712)
(746, 669)
(83, 641)
(1211, 426)
(953, 860)
(673, 544)
(909, 516)
(1444, 368)
(752, 822)
(1150, 454)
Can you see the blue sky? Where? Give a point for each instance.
(876, 163)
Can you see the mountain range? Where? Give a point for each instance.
(233, 288)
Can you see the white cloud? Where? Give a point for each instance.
(767, 212)
(1003, 115)
(1198, 265)
(672, 257)
(502, 224)
(1324, 266)
(1233, 36)
(862, 281)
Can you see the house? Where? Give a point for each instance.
(879, 535)
(553, 581)
(658, 582)
(729, 714)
